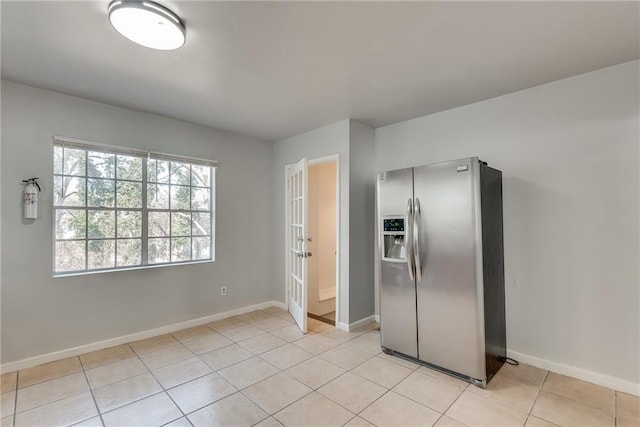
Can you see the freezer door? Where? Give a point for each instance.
(397, 287)
(449, 291)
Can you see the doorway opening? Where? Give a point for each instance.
(322, 217)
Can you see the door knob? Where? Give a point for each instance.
(303, 254)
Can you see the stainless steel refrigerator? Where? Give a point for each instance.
(442, 273)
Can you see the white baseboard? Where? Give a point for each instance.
(350, 327)
(86, 348)
(579, 373)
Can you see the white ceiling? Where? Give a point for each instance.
(276, 69)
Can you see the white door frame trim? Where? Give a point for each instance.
(314, 162)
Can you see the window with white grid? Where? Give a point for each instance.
(117, 208)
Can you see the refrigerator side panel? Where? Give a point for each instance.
(493, 268)
(398, 330)
(449, 294)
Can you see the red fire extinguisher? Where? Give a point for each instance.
(31, 191)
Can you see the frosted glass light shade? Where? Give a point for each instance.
(147, 23)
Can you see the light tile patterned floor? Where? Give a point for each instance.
(258, 369)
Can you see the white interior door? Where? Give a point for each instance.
(297, 244)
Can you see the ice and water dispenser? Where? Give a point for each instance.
(393, 239)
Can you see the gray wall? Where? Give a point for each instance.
(362, 179)
(570, 160)
(353, 142)
(325, 141)
(41, 314)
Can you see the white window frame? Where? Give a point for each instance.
(145, 210)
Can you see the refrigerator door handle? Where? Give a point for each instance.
(409, 234)
(417, 218)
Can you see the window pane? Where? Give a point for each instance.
(74, 162)
(100, 193)
(70, 256)
(101, 165)
(68, 191)
(201, 224)
(101, 224)
(57, 191)
(129, 224)
(180, 197)
(129, 252)
(101, 254)
(70, 223)
(158, 171)
(163, 172)
(129, 194)
(201, 176)
(158, 251)
(129, 167)
(157, 196)
(57, 160)
(151, 170)
(159, 224)
(180, 249)
(180, 173)
(201, 248)
(200, 200)
(180, 224)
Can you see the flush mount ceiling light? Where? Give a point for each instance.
(147, 23)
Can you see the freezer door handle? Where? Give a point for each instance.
(409, 234)
(417, 217)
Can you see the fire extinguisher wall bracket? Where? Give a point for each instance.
(31, 190)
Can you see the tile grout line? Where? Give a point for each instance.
(48, 403)
(15, 401)
(533, 404)
(312, 389)
(95, 402)
(615, 408)
(164, 390)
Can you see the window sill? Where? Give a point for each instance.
(138, 267)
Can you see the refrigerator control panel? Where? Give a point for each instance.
(393, 225)
(393, 239)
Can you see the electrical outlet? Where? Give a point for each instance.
(223, 291)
